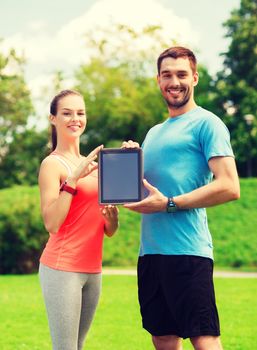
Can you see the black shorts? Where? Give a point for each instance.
(176, 295)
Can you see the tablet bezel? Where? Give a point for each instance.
(120, 151)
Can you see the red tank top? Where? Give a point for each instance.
(77, 246)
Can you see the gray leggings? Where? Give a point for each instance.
(71, 299)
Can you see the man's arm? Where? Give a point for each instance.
(224, 188)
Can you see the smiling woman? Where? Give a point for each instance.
(71, 263)
(71, 110)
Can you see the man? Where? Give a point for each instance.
(189, 165)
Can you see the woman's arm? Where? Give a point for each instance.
(55, 205)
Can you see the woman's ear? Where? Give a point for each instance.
(52, 119)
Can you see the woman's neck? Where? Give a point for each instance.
(71, 149)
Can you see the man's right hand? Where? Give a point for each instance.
(153, 203)
(130, 144)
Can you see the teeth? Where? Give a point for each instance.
(173, 90)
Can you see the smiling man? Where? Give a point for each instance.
(189, 165)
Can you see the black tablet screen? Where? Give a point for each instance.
(120, 175)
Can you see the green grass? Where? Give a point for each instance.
(117, 325)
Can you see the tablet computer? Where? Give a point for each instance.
(120, 175)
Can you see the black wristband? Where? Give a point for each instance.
(171, 206)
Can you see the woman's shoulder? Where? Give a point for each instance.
(50, 163)
(50, 159)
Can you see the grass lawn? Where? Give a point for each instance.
(117, 325)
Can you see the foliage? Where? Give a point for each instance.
(233, 226)
(14, 99)
(205, 92)
(120, 89)
(120, 105)
(237, 84)
(22, 235)
(122, 97)
(25, 154)
(117, 324)
(15, 109)
(119, 86)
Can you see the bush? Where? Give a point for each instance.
(233, 226)
(22, 234)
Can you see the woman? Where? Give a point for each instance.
(70, 266)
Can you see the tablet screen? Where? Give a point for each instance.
(120, 175)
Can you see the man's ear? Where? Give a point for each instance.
(196, 78)
(52, 119)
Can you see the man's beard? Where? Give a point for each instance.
(180, 103)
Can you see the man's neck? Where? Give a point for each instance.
(176, 112)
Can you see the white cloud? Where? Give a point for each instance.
(66, 49)
(35, 47)
(42, 92)
(67, 44)
(135, 14)
(37, 25)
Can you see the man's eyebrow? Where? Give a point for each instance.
(68, 109)
(170, 71)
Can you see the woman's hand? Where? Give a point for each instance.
(86, 167)
(110, 214)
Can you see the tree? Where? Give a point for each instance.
(120, 105)
(237, 85)
(25, 152)
(120, 89)
(119, 86)
(15, 103)
(205, 92)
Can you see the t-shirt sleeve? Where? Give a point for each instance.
(215, 138)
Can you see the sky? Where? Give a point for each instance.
(50, 33)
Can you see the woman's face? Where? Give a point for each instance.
(70, 120)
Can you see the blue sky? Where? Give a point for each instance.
(49, 32)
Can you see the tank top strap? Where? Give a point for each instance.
(64, 163)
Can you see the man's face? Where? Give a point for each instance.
(177, 81)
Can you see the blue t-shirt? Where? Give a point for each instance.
(176, 154)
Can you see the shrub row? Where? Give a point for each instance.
(23, 236)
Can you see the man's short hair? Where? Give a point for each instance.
(177, 52)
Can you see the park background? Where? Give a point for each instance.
(107, 50)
